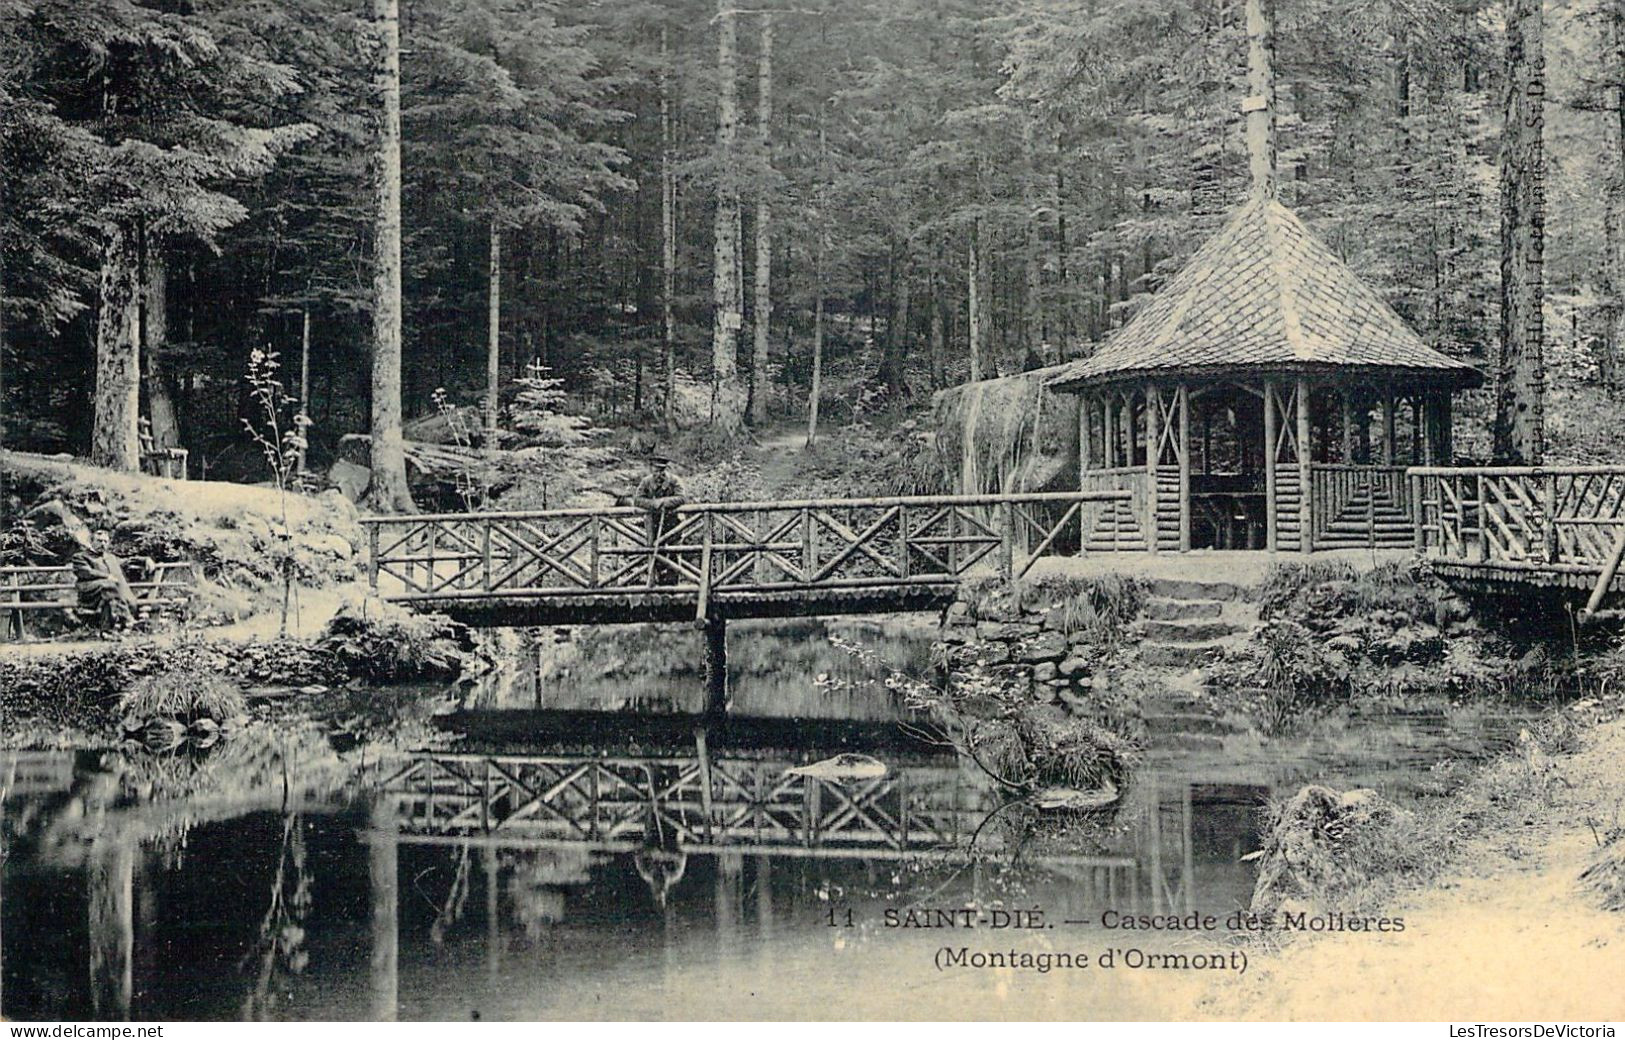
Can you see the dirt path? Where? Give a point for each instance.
(777, 455)
(1511, 936)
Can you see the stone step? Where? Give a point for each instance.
(1189, 631)
(1182, 609)
(1188, 589)
(1180, 655)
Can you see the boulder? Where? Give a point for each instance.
(1304, 858)
(1044, 672)
(1047, 646)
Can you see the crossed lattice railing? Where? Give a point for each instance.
(697, 800)
(1558, 519)
(706, 550)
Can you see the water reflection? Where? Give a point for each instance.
(624, 866)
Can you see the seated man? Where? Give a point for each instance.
(101, 585)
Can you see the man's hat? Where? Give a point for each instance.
(658, 457)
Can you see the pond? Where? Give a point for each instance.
(590, 848)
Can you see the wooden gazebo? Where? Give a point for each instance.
(1266, 398)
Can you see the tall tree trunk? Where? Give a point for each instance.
(817, 389)
(115, 431)
(154, 335)
(974, 304)
(304, 384)
(1033, 333)
(727, 320)
(763, 313)
(668, 236)
(1614, 263)
(938, 346)
(493, 340)
(389, 491)
(820, 251)
(1520, 370)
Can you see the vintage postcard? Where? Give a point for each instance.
(1083, 510)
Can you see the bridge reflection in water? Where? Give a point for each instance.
(685, 820)
(602, 864)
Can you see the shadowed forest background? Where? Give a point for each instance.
(679, 217)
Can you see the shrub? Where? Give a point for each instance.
(387, 644)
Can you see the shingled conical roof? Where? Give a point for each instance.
(1265, 293)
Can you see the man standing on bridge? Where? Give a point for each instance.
(660, 496)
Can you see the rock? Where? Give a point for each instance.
(993, 653)
(1044, 672)
(350, 479)
(1301, 849)
(1073, 666)
(1047, 646)
(958, 611)
(1345, 644)
(1006, 630)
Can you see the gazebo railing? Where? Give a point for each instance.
(1357, 506)
(1115, 524)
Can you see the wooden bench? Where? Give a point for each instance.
(33, 590)
(160, 461)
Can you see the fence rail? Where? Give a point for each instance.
(1567, 519)
(1360, 506)
(718, 549)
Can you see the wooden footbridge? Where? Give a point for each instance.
(1490, 529)
(721, 561)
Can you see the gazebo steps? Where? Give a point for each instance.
(1190, 631)
(1182, 655)
(1181, 610)
(1190, 620)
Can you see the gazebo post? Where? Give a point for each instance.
(1108, 423)
(1305, 474)
(1387, 429)
(1086, 406)
(1269, 465)
(1446, 451)
(1152, 457)
(1418, 433)
(1183, 400)
(1125, 417)
(1347, 401)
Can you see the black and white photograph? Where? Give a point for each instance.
(791, 511)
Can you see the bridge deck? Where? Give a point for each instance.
(1492, 529)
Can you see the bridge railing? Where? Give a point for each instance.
(709, 549)
(1549, 518)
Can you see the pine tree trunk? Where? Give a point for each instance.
(938, 351)
(727, 320)
(1614, 335)
(154, 335)
(1520, 371)
(817, 389)
(894, 361)
(115, 432)
(763, 316)
(304, 379)
(668, 236)
(1032, 312)
(493, 342)
(820, 224)
(974, 304)
(389, 491)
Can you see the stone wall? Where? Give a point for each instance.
(1055, 639)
